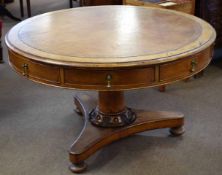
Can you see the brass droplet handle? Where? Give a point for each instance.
(108, 79)
(25, 68)
(193, 65)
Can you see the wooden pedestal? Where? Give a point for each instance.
(111, 104)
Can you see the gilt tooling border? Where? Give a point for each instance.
(206, 38)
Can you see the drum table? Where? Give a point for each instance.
(110, 49)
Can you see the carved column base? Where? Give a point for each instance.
(123, 118)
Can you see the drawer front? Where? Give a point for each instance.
(36, 71)
(105, 79)
(108, 80)
(185, 67)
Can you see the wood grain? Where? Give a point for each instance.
(110, 36)
(122, 79)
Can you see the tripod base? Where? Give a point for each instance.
(92, 138)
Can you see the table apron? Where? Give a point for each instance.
(110, 79)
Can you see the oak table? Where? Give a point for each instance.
(110, 49)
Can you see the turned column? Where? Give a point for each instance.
(111, 110)
(111, 102)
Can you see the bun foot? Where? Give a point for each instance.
(177, 131)
(78, 167)
(162, 88)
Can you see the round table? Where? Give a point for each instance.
(110, 49)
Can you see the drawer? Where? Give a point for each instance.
(34, 70)
(109, 79)
(185, 67)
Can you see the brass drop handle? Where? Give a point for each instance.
(193, 66)
(108, 79)
(25, 70)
